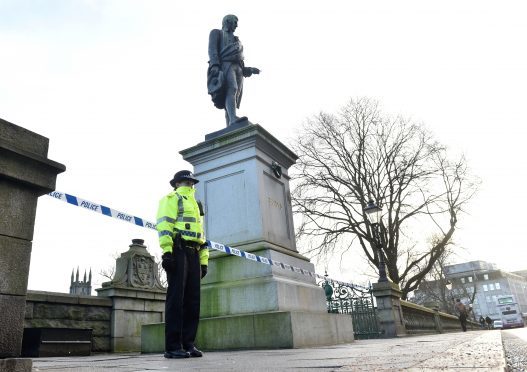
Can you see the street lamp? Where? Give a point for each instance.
(448, 286)
(373, 212)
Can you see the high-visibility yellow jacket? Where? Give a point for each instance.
(179, 212)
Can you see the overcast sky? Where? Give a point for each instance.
(119, 88)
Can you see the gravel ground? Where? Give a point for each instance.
(515, 351)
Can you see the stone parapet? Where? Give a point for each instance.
(61, 310)
(422, 320)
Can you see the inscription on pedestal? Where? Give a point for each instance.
(275, 214)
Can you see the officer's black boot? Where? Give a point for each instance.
(194, 352)
(176, 354)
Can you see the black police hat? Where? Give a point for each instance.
(183, 175)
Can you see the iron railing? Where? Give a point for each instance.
(356, 301)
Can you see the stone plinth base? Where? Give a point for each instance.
(273, 330)
(16, 365)
(243, 122)
(235, 286)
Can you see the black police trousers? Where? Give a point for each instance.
(182, 301)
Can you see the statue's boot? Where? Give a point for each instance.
(239, 120)
(230, 109)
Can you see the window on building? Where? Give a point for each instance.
(470, 279)
(485, 276)
(491, 286)
(485, 288)
(462, 280)
(497, 286)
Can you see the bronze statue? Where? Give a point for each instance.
(226, 69)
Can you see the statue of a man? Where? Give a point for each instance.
(226, 69)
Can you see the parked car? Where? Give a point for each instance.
(498, 324)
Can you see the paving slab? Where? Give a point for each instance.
(470, 351)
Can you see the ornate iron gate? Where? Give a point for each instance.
(356, 301)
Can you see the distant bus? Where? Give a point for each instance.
(509, 311)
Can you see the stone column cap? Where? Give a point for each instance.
(386, 288)
(23, 158)
(246, 136)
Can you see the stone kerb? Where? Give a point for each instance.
(25, 174)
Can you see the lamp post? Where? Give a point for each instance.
(448, 286)
(373, 212)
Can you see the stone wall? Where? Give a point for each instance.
(61, 310)
(421, 320)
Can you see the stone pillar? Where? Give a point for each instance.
(25, 174)
(137, 297)
(389, 312)
(244, 186)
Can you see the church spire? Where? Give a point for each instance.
(78, 287)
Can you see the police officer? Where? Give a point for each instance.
(185, 259)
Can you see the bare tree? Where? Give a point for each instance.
(434, 287)
(109, 272)
(361, 154)
(161, 273)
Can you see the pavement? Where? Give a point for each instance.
(515, 346)
(463, 351)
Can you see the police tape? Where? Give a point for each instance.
(107, 211)
(99, 208)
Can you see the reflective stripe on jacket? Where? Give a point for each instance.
(179, 212)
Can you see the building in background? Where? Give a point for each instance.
(80, 287)
(476, 283)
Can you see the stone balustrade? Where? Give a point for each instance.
(420, 320)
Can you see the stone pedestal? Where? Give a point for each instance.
(389, 312)
(137, 297)
(244, 186)
(25, 174)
